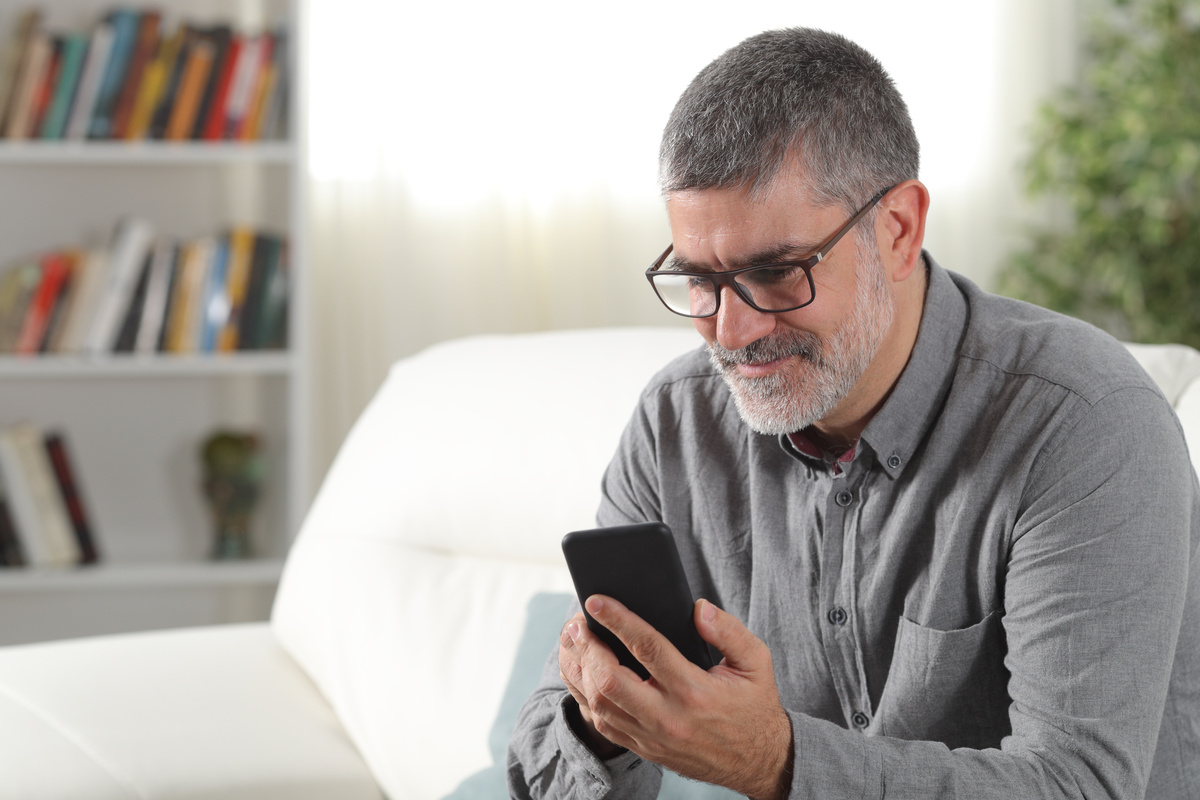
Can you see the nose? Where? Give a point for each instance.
(738, 324)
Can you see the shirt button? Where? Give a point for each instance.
(893, 461)
(844, 498)
(860, 719)
(838, 615)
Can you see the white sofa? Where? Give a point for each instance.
(388, 666)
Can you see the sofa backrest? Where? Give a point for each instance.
(404, 595)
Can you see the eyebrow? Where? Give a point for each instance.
(787, 251)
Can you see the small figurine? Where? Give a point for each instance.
(233, 475)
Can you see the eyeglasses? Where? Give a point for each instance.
(772, 288)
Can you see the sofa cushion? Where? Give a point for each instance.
(404, 595)
(217, 712)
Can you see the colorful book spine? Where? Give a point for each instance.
(74, 49)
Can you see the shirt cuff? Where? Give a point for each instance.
(626, 775)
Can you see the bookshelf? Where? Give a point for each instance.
(134, 422)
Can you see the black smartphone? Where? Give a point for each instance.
(639, 566)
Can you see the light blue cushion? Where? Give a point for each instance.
(546, 614)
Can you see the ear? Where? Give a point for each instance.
(900, 228)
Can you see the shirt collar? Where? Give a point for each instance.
(899, 427)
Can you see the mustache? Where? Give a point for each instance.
(796, 343)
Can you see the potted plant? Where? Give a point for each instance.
(1117, 161)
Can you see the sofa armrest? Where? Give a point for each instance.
(203, 712)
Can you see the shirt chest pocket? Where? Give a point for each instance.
(947, 686)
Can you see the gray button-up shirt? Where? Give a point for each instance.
(997, 597)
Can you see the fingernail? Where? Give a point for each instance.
(594, 605)
(573, 631)
(709, 612)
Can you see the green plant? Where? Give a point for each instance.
(1119, 155)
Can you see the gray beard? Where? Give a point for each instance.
(782, 403)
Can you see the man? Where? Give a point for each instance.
(946, 540)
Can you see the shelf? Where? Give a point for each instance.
(142, 576)
(40, 153)
(139, 365)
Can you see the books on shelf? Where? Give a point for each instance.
(43, 518)
(130, 78)
(148, 293)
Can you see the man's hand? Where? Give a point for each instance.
(725, 726)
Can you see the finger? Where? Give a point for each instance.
(653, 650)
(743, 650)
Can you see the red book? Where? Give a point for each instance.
(214, 125)
(56, 268)
(64, 474)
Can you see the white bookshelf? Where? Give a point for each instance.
(134, 423)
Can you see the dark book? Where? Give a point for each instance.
(74, 50)
(166, 102)
(266, 249)
(271, 332)
(68, 485)
(221, 37)
(127, 336)
(124, 23)
(143, 53)
(12, 554)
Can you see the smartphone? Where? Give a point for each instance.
(639, 566)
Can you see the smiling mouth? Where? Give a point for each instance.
(759, 369)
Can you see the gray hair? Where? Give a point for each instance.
(797, 92)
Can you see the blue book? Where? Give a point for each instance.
(124, 22)
(215, 308)
(54, 125)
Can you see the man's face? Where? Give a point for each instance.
(786, 371)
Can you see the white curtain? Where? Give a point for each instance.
(482, 167)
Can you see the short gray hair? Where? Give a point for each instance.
(793, 92)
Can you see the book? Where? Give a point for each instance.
(266, 248)
(17, 287)
(129, 247)
(213, 127)
(29, 81)
(124, 22)
(66, 477)
(88, 277)
(270, 329)
(54, 123)
(14, 56)
(94, 65)
(12, 554)
(192, 82)
(184, 321)
(131, 321)
(158, 292)
(170, 91)
(263, 85)
(45, 90)
(245, 77)
(42, 520)
(146, 45)
(55, 270)
(221, 37)
(154, 83)
(241, 256)
(215, 302)
(273, 124)
(61, 307)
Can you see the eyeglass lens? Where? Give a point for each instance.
(769, 288)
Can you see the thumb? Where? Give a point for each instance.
(741, 648)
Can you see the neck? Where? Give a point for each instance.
(845, 424)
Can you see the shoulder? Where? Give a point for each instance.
(1025, 341)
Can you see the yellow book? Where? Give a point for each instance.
(185, 313)
(237, 276)
(154, 83)
(191, 89)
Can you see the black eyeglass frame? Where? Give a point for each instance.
(727, 278)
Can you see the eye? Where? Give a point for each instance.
(772, 275)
